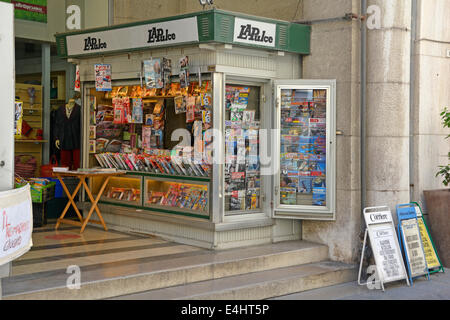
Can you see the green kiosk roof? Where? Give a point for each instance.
(212, 26)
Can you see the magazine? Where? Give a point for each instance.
(153, 74)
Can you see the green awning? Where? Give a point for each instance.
(212, 26)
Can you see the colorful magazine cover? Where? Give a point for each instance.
(18, 117)
(103, 77)
(180, 104)
(92, 146)
(288, 196)
(184, 72)
(146, 134)
(304, 185)
(137, 113)
(236, 97)
(167, 71)
(153, 74)
(190, 109)
(92, 130)
(319, 196)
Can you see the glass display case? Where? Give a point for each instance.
(305, 179)
(242, 166)
(125, 190)
(131, 128)
(188, 197)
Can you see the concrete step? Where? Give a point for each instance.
(144, 275)
(257, 285)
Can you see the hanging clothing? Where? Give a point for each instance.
(70, 158)
(68, 129)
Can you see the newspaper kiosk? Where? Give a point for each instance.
(260, 153)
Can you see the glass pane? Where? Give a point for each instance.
(303, 147)
(177, 195)
(121, 189)
(242, 167)
(131, 128)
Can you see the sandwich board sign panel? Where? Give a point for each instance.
(433, 262)
(385, 247)
(409, 236)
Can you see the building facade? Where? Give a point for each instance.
(406, 68)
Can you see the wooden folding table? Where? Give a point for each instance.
(82, 176)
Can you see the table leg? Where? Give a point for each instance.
(94, 204)
(70, 202)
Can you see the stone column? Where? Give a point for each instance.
(335, 54)
(432, 94)
(388, 85)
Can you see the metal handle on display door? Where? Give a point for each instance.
(2, 164)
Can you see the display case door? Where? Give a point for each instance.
(305, 168)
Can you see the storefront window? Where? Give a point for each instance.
(158, 137)
(242, 163)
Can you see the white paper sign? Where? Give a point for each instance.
(254, 32)
(385, 246)
(149, 35)
(388, 255)
(16, 218)
(414, 248)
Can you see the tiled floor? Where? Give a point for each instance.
(54, 250)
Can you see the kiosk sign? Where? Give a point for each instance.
(254, 32)
(134, 37)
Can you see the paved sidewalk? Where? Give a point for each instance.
(436, 289)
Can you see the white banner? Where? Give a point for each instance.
(142, 36)
(254, 32)
(16, 224)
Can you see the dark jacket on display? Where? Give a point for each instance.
(68, 130)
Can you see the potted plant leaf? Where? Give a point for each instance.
(438, 206)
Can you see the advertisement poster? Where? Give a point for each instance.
(430, 253)
(16, 216)
(103, 77)
(31, 10)
(413, 243)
